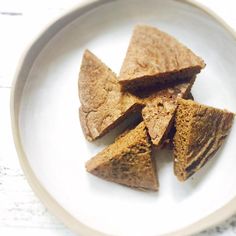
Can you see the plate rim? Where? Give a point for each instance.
(44, 196)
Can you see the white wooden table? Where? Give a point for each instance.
(21, 213)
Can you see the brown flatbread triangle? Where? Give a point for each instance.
(158, 114)
(158, 117)
(200, 131)
(103, 104)
(127, 161)
(154, 57)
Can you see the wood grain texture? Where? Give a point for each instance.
(21, 213)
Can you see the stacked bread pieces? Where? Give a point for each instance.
(155, 80)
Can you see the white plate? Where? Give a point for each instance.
(53, 150)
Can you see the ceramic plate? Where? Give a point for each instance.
(53, 150)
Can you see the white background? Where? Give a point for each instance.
(21, 213)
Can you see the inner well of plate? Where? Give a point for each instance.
(57, 150)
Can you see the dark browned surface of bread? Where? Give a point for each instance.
(127, 161)
(154, 57)
(103, 104)
(200, 131)
(190, 97)
(168, 141)
(170, 90)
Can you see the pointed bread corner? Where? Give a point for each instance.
(127, 161)
(200, 132)
(103, 104)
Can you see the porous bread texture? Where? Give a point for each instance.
(127, 161)
(158, 117)
(154, 57)
(200, 132)
(158, 114)
(103, 104)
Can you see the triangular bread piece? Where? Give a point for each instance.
(158, 114)
(158, 117)
(127, 161)
(103, 104)
(154, 57)
(200, 131)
